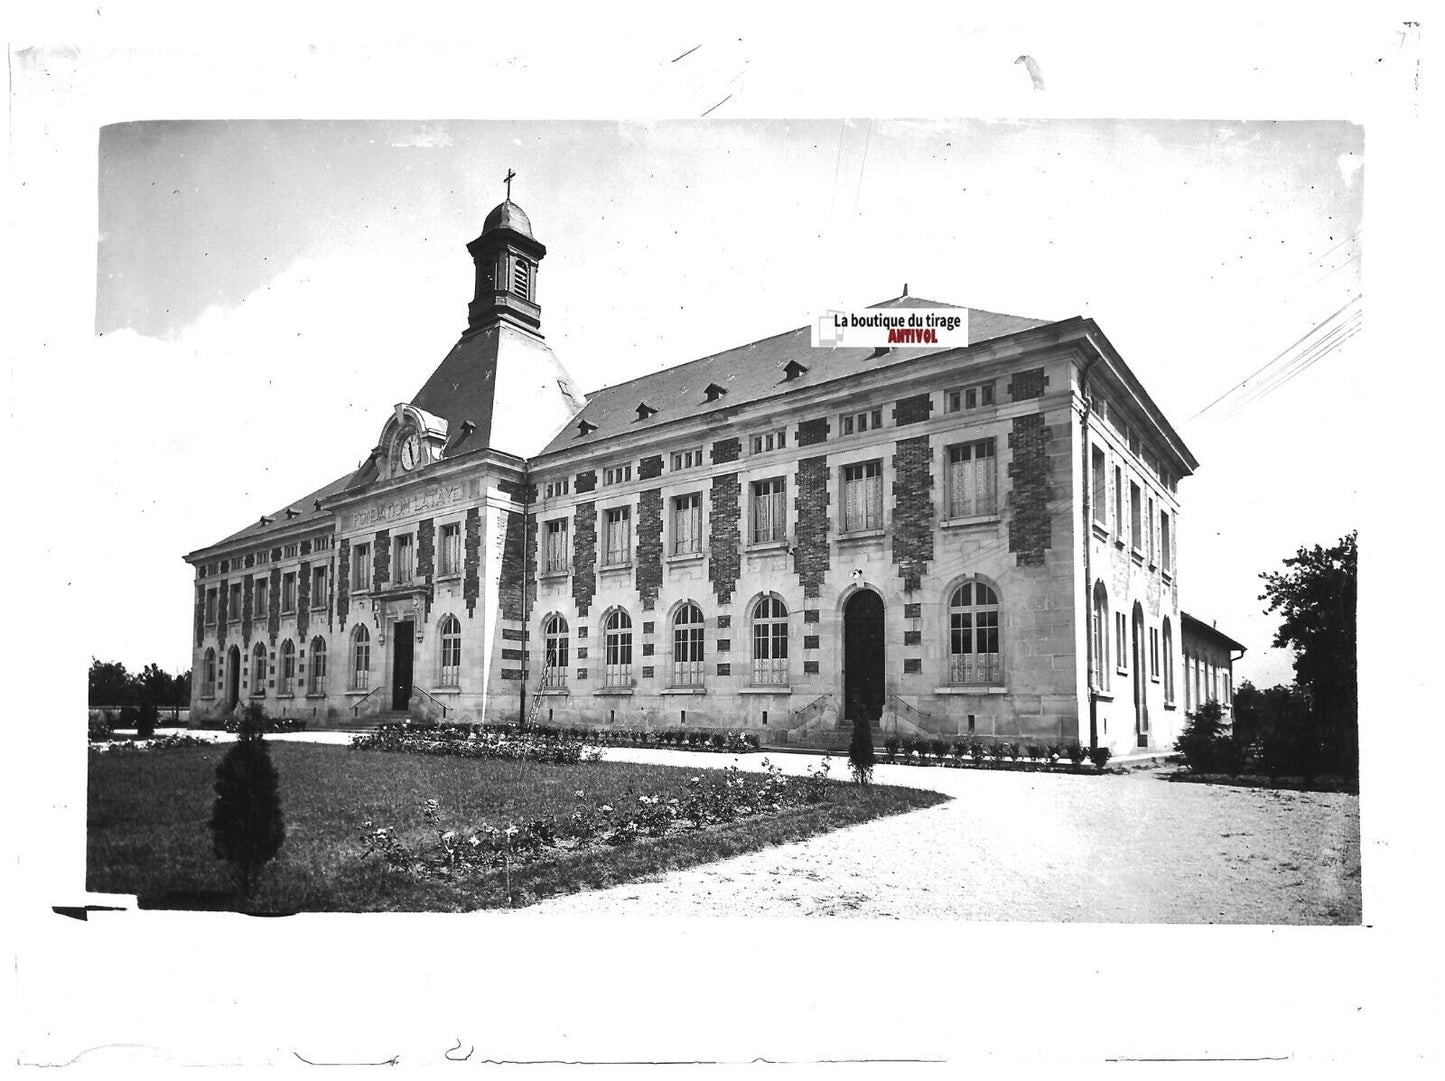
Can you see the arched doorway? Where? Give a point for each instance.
(863, 656)
(1141, 680)
(233, 677)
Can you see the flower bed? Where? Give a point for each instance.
(994, 754)
(725, 796)
(270, 724)
(164, 743)
(469, 741)
(682, 739)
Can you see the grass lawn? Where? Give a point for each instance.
(147, 832)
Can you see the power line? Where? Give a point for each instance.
(1309, 357)
(1279, 356)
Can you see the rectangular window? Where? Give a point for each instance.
(687, 524)
(554, 488)
(686, 459)
(619, 535)
(849, 423)
(1101, 488)
(770, 519)
(862, 496)
(263, 556)
(404, 550)
(1166, 543)
(962, 398)
(288, 591)
(972, 479)
(617, 474)
(763, 442)
(290, 551)
(1153, 559)
(233, 606)
(261, 597)
(361, 567)
(210, 607)
(1121, 641)
(1119, 504)
(318, 587)
(557, 558)
(1136, 516)
(451, 548)
(1154, 653)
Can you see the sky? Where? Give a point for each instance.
(287, 282)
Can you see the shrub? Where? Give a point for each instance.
(146, 718)
(860, 752)
(1077, 753)
(1100, 756)
(247, 828)
(960, 749)
(100, 729)
(891, 745)
(939, 749)
(1201, 742)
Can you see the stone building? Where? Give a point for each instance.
(1208, 664)
(980, 540)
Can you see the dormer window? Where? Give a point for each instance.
(792, 370)
(585, 427)
(712, 392)
(644, 411)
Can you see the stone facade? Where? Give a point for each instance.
(987, 524)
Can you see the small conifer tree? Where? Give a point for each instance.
(860, 751)
(246, 823)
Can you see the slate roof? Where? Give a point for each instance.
(749, 373)
(280, 523)
(1200, 627)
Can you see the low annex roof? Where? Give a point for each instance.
(1200, 627)
(748, 373)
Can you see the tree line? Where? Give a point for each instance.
(112, 686)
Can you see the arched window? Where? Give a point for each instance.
(687, 632)
(360, 658)
(617, 645)
(208, 677)
(1099, 677)
(555, 659)
(451, 636)
(258, 670)
(770, 641)
(973, 641)
(318, 666)
(1168, 663)
(288, 667)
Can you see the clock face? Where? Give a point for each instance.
(410, 452)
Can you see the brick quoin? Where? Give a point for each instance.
(472, 561)
(586, 481)
(650, 467)
(811, 557)
(912, 410)
(248, 602)
(381, 558)
(812, 432)
(724, 621)
(913, 611)
(222, 615)
(649, 544)
(584, 556)
(512, 580)
(426, 549)
(303, 601)
(1030, 530)
(726, 450)
(1027, 384)
(912, 510)
(725, 561)
(273, 602)
(341, 588)
(200, 614)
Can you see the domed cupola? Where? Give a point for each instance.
(506, 255)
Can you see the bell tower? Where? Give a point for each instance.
(506, 256)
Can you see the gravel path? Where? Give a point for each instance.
(1026, 846)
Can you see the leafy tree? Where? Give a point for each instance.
(247, 827)
(1204, 739)
(110, 684)
(1316, 598)
(860, 751)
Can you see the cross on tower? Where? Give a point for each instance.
(508, 181)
